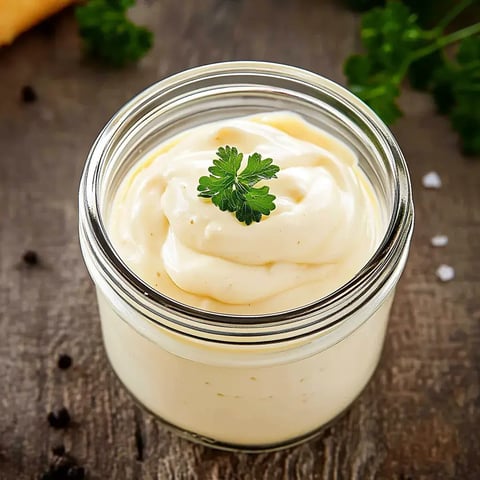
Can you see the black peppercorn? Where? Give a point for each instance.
(28, 94)
(76, 473)
(30, 257)
(64, 361)
(64, 469)
(59, 419)
(58, 469)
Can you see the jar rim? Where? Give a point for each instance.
(315, 316)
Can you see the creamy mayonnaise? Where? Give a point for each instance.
(209, 391)
(325, 226)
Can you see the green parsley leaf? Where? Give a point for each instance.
(456, 92)
(389, 35)
(109, 35)
(257, 169)
(396, 46)
(377, 90)
(429, 11)
(235, 192)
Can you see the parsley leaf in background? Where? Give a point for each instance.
(389, 35)
(396, 46)
(374, 88)
(429, 12)
(235, 192)
(109, 35)
(457, 92)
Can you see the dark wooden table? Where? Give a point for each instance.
(420, 416)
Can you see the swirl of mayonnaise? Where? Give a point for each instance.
(325, 226)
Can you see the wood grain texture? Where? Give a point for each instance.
(418, 418)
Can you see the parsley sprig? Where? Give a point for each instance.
(396, 46)
(109, 35)
(236, 192)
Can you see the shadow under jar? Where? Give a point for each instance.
(246, 382)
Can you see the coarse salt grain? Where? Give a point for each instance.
(431, 180)
(445, 273)
(439, 241)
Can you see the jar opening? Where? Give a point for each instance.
(236, 89)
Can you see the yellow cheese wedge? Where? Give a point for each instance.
(16, 16)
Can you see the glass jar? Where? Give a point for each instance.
(238, 381)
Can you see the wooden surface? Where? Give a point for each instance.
(420, 416)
